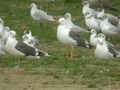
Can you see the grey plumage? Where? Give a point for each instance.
(80, 42)
(24, 48)
(113, 51)
(29, 51)
(79, 29)
(101, 4)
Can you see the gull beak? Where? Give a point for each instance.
(57, 22)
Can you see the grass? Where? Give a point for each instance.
(57, 71)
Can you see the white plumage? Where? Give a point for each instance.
(86, 9)
(70, 36)
(2, 48)
(93, 38)
(92, 22)
(63, 33)
(108, 29)
(11, 43)
(104, 50)
(29, 39)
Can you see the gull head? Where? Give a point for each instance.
(61, 21)
(93, 31)
(101, 15)
(85, 3)
(12, 33)
(101, 38)
(27, 34)
(68, 16)
(32, 5)
(88, 14)
(28, 38)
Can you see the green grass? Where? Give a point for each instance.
(83, 69)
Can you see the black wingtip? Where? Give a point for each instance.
(89, 46)
(44, 54)
(113, 9)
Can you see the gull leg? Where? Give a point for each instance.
(66, 54)
(41, 25)
(72, 52)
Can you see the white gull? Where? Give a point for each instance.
(104, 50)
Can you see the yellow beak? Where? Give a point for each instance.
(57, 22)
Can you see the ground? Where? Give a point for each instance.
(83, 72)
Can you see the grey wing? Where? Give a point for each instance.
(113, 19)
(79, 29)
(40, 14)
(80, 41)
(112, 51)
(24, 48)
(115, 29)
(110, 44)
(43, 15)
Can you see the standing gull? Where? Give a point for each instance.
(104, 50)
(69, 36)
(17, 48)
(40, 15)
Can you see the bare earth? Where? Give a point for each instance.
(18, 79)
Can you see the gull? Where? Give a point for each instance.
(70, 24)
(101, 4)
(3, 31)
(93, 38)
(29, 39)
(104, 50)
(18, 48)
(40, 15)
(112, 18)
(70, 36)
(86, 9)
(1, 26)
(109, 29)
(92, 22)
